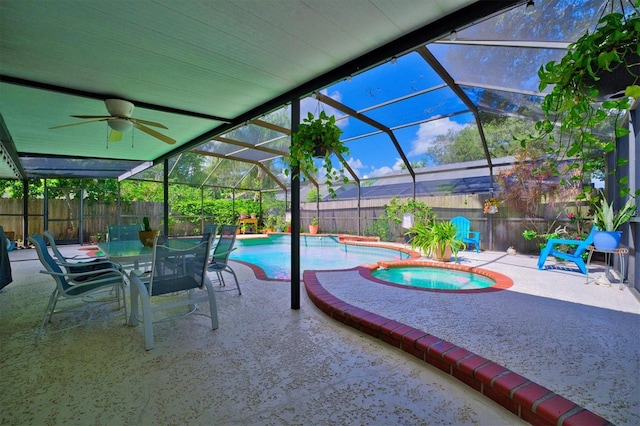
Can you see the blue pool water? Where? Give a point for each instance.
(433, 278)
(273, 254)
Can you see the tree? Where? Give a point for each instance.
(500, 134)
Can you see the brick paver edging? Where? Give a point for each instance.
(531, 402)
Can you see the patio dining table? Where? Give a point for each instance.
(133, 251)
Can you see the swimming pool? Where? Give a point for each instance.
(273, 254)
(433, 278)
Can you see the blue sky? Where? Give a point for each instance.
(408, 77)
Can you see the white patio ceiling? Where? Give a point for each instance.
(191, 65)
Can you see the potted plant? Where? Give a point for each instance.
(438, 239)
(318, 138)
(95, 238)
(270, 223)
(608, 221)
(147, 235)
(313, 225)
(574, 109)
(491, 205)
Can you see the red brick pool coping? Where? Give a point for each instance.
(501, 282)
(531, 402)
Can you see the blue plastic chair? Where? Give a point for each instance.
(575, 257)
(464, 232)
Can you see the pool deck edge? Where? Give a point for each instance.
(531, 402)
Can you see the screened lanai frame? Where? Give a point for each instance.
(522, 39)
(391, 111)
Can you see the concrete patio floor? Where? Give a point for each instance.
(270, 365)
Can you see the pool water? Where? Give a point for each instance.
(433, 278)
(273, 254)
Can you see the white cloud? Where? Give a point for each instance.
(384, 170)
(429, 131)
(355, 164)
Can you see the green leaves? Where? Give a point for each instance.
(575, 116)
(604, 216)
(313, 133)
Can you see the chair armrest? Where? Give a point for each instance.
(475, 234)
(142, 276)
(96, 261)
(224, 253)
(100, 274)
(554, 241)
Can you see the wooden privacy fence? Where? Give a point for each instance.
(64, 221)
(498, 232)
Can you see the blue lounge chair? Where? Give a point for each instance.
(464, 234)
(576, 257)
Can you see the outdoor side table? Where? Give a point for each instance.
(249, 221)
(620, 251)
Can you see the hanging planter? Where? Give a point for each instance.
(613, 84)
(600, 65)
(318, 138)
(320, 149)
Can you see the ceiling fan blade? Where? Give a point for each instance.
(77, 124)
(149, 123)
(163, 138)
(91, 116)
(115, 136)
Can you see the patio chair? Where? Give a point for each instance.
(220, 259)
(212, 229)
(123, 232)
(79, 263)
(77, 285)
(64, 259)
(551, 249)
(464, 233)
(173, 272)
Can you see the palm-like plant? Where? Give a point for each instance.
(604, 216)
(433, 238)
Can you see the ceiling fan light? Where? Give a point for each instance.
(119, 107)
(119, 124)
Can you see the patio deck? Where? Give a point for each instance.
(268, 364)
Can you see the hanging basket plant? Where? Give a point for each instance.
(589, 93)
(318, 138)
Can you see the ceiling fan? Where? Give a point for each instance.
(120, 121)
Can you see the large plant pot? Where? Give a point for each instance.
(606, 240)
(442, 255)
(313, 229)
(147, 238)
